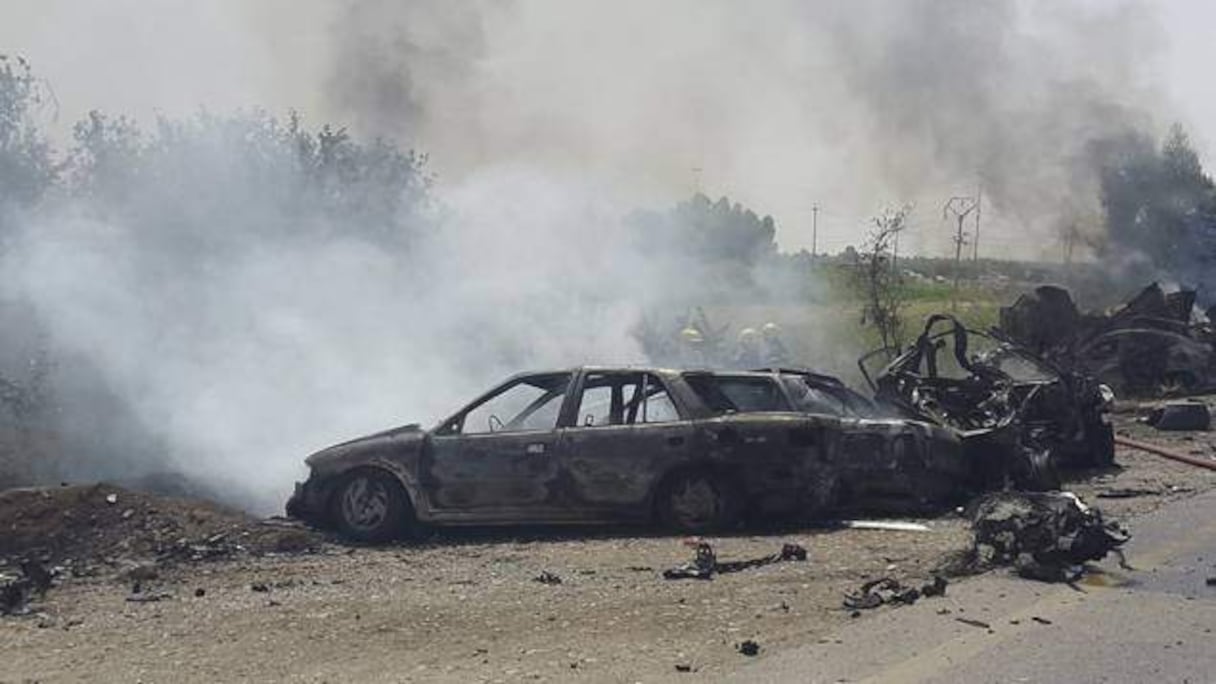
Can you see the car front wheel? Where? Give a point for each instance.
(370, 506)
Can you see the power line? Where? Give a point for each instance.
(975, 244)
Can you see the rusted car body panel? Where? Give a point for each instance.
(603, 458)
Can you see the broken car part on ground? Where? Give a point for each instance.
(705, 564)
(890, 591)
(1046, 536)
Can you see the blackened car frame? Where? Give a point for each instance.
(1020, 417)
(690, 450)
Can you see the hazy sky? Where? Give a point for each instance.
(634, 96)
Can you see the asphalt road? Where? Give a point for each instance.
(1154, 623)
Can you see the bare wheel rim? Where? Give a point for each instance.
(695, 502)
(364, 503)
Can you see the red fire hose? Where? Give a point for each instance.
(1166, 453)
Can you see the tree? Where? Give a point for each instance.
(880, 281)
(710, 231)
(1159, 203)
(27, 169)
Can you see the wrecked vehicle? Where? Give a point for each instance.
(692, 450)
(1145, 360)
(1155, 343)
(1018, 416)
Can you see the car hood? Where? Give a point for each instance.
(338, 452)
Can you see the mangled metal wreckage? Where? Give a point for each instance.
(692, 450)
(1156, 342)
(1018, 417)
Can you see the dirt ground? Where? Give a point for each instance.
(466, 606)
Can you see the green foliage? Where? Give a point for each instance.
(708, 231)
(216, 181)
(1159, 203)
(27, 169)
(880, 282)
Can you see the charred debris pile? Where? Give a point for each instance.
(1155, 343)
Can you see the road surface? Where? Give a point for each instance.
(1154, 623)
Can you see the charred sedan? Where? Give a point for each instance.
(693, 451)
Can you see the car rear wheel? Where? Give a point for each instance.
(698, 501)
(370, 506)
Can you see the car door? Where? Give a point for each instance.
(496, 460)
(627, 432)
(757, 426)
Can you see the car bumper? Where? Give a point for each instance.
(307, 502)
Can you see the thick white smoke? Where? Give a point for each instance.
(237, 363)
(232, 334)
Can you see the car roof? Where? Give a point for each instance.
(675, 372)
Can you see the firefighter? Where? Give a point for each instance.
(775, 353)
(749, 354)
(692, 348)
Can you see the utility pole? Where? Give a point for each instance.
(960, 207)
(979, 200)
(895, 252)
(814, 230)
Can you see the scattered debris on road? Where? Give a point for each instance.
(888, 525)
(705, 564)
(1126, 493)
(1046, 536)
(748, 648)
(889, 591)
(547, 577)
(974, 623)
(1181, 416)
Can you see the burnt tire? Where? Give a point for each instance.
(370, 506)
(698, 501)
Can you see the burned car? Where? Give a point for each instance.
(1019, 417)
(692, 450)
(1149, 360)
(1154, 343)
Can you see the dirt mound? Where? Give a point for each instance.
(102, 522)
